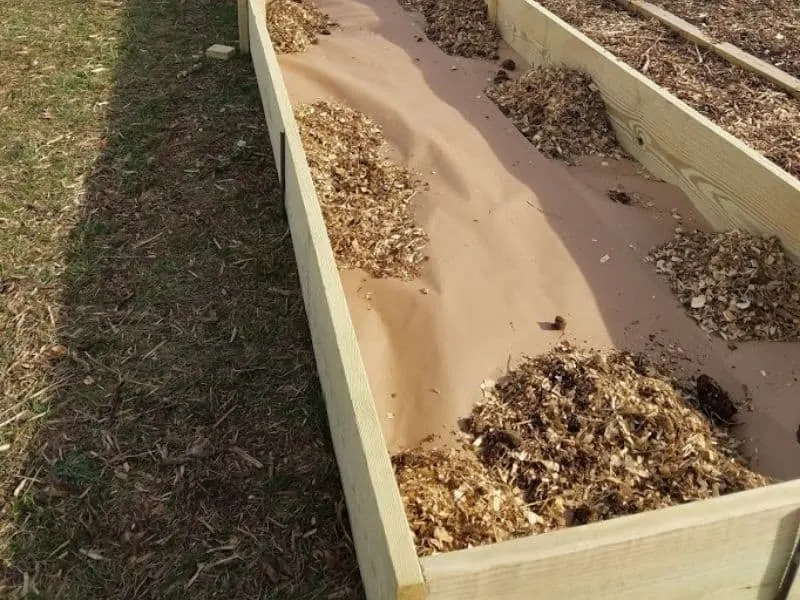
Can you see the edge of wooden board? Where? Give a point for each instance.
(387, 558)
(728, 51)
(729, 183)
(734, 547)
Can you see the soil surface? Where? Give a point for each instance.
(742, 103)
(163, 432)
(769, 29)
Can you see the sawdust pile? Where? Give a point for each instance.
(459, 27)
(735, 284)
(457, 502)
(559, 110)
(365, 198)
(294, 25)
(584, 436)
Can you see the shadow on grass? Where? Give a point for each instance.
(185, 453)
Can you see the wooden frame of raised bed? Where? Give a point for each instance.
(733, 54)
(738, 547)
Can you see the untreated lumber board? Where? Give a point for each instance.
(386, 555)
(730, 548)
(244, 28)
(729, 183)
(726, 50)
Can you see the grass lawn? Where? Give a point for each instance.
(162, 433)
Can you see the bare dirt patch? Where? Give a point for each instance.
(583, 436)
(559, 110)
(365, 197)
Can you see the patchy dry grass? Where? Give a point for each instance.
(161, 431)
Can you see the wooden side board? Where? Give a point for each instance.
(731, 184)
(732, 548)
(387, 558)
(243, 16)
(729, 52)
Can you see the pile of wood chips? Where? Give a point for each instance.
(453, 501)
(740, 286)
(365, 198)
(584, 436)
(560, 111)
(294, 25)
(459, 27)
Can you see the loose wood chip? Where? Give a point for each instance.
(454, 501)
(365, 198)
(294, 25)
(459, 27)
(734, 284)
(559, 110)
(582, 436)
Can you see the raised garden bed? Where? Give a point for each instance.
(769, 30)
(736, 546)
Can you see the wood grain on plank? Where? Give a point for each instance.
(729, 52)
(729, 183)
(386, 554)
(730, 548)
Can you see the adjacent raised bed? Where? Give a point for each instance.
(735, 547)
(769, 30)
(789, 58)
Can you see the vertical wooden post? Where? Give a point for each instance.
(491, 10)
(244, 26)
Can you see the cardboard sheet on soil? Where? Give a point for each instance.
(514, 240)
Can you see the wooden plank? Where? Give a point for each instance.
(386, 555)
(729, 52)
(729, 183)
(242, 13)
(730, 548)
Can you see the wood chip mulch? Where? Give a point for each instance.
(737, 285)
(559, 110)
(453, 500)
(294, 25)
(582, 436)
(365, 197)
(769, 30)
(459, 27)
(742, 103)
